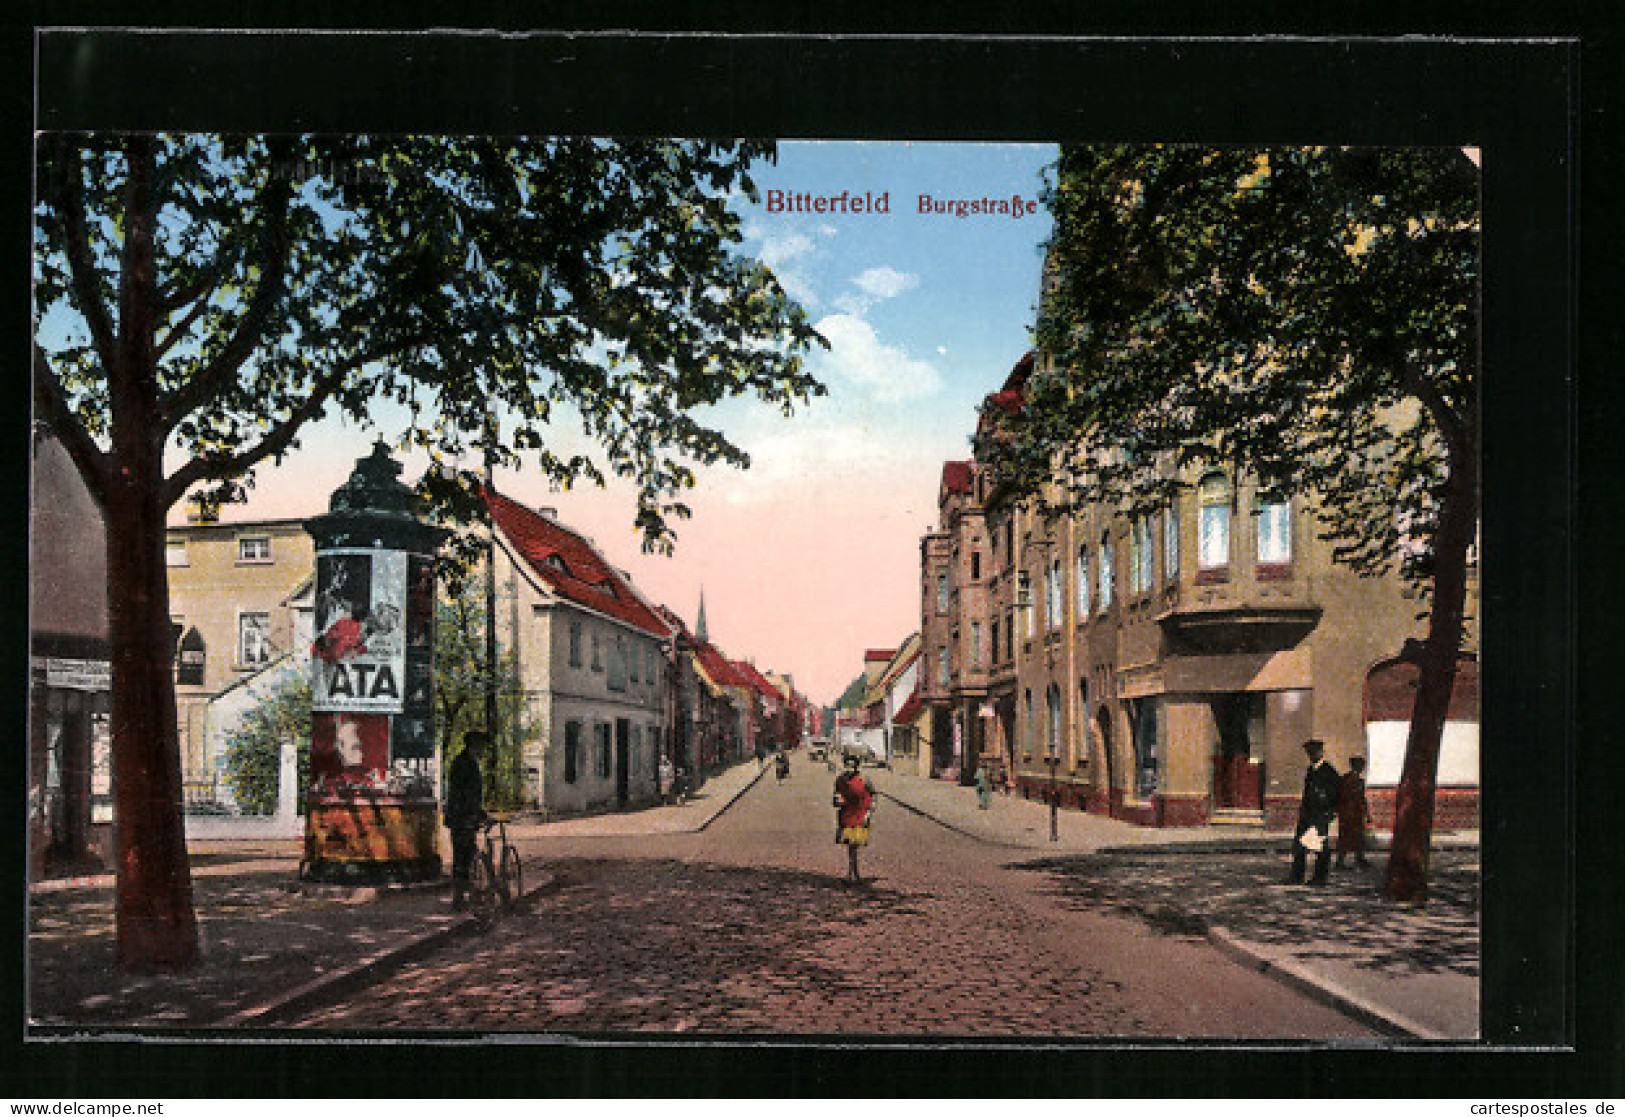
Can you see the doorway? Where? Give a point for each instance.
(1238, 770)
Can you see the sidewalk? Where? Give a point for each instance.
(271, 943)
(1407, 972)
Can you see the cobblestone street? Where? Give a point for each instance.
(747, 928)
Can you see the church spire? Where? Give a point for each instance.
(699, 625)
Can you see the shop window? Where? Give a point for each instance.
(1213, 541)
(1146, 716)
(253, 639)
(572, 750)
(254, 548)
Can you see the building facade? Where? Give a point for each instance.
(592, 660)
(1166, 668)
(231, 600)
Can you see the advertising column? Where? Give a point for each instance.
(373, 810)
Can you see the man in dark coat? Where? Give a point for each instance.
(465, 812)
(1321, 788)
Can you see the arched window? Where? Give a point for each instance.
(1170, 544)
(1106, 574)
(1083, 582)
(1213, 543)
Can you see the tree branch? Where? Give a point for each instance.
(280, 437)
(81, 262)
(1458, 439)
(81, 448)
(275, 199)
(181, 328)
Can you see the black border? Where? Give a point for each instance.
(1519, 101)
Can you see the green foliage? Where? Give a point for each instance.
(1307, 315)
(253, 749)
(534, 280)
(461, 676)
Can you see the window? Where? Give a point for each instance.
(1106, 573)
(617, 664)
(575, 643)
(572, 750)
(602, 731)
(634, 661)
(253, 639)
(175, 554)
(975, 644)
(1274, 533)
(1170, 544)
(597, 653)
(1024, 602)
(254, 548)
(1052, 721)
(944, 670)
(1028, 730)
(650, 672)
(1141, 558)
(1083, 582)
(942, 593)
(1213, 540)
(1053, 589)
(635, 757)
(191, 658)
(975, 565)
(993, 649)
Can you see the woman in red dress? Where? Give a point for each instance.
(854, 803)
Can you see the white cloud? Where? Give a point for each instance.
(885, 282)
(784, 252)
(886, 373)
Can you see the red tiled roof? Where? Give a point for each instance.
(717, 667)
(956, 477)
(570, 566)
(748, 672)
(1008, 401)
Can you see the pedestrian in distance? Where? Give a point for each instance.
(854, 803)
(1321, 788)
(667, 776)
(984, 788)
(465, 812)
(1353, 814)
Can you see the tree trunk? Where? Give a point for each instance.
(157, 929)
(1406, 879)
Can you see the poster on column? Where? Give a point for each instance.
(358, 661)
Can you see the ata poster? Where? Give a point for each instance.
(358, 661)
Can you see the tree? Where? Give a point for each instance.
(199, 299)
(254, 748)
(1309, 315)
(462, 675)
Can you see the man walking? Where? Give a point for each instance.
(1321, 788)
(465, 812)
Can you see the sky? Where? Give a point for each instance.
(811, 556)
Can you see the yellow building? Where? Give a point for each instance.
(230, 590)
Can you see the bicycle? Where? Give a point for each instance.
(496, 878)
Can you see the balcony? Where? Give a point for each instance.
(1237, 628)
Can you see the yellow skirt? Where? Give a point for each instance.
(854, 835)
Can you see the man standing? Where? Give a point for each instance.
(1321, 787)
(465, 812)
(1353, 814)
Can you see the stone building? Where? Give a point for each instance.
(231, 600)
(593, 658)
(1166, 668)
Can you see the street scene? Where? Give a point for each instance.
(563, 585)
(969, 924)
